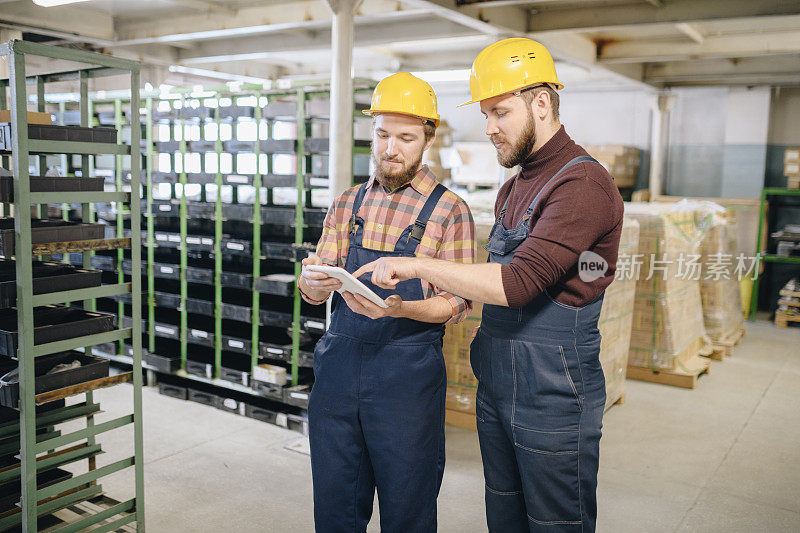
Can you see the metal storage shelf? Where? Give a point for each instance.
(768, 258)
(171, 238)
(33, 433)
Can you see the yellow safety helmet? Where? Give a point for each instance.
(405, 94)
(511, 65)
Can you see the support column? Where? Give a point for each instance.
(340, 162)
(658, 137)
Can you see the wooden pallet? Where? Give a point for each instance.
(619, 401)
(78, 511)
(460, 419)
(782, 320)
(684, 376)
(722, 348)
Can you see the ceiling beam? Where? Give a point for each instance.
(366, 35)
(206, 5)
(258, 20)
(60, 21)
(511, 21)
(619, 16)
(691, 31)
(508, 20)
(304, 28)
(723, 46)
(776, 70)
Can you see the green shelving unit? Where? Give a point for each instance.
(43, 448)
(161, 116)
(764, 257)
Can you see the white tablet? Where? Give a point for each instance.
(349, 283)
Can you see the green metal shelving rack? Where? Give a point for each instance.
(764, 257)
(301, 94)
(36, 502)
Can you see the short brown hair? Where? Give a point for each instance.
(529, 93)
(429, 128)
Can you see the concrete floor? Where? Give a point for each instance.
(724, 457)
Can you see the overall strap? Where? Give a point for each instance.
(356, 222)
(418, 229)
(572, 162)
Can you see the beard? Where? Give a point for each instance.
(396, 178)
(522, 147)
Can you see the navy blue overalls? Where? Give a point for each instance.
(376, 412)
(540, 403)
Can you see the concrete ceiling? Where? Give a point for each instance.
(659, 43)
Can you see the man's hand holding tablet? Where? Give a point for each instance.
(360, 298)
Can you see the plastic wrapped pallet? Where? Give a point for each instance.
(461, 383)
(616, 319)
(719, 285)
(668, 315)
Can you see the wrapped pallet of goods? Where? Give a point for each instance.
(616, 319)
(719, 284)
(462, 386)
(668, 335)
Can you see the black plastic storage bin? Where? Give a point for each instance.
(53, 323)
(234, 376)
(58, 133)
(232, 405)
(10, 492)
(258, 413)
(173, 391)
(50, 184)
(47, 277)
(206, 398)
(297, 396)
(269, 390)
(162, 363)
(72, 133)
(91, 368)
(46, 231)
(199, 368)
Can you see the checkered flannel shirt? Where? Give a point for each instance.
(449, 234)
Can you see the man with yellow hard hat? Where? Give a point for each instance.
(552, 253)
(376, 412)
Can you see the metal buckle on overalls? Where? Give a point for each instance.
(354, 223)
(418, 230)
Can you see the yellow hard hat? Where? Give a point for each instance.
(405, 94)
(510, 65)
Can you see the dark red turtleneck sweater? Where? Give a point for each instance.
(579, 211)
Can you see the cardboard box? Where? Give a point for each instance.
(34, 117)
(791, 169)
(791, 155)
(622, 162)
(270, 374)
(667, 311)
(616, 319)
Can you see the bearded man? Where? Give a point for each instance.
(376, 412)
(541, 388)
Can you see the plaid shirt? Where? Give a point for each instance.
(449, 235)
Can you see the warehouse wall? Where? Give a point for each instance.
(718, 137)
(718, 142)
(618, 117)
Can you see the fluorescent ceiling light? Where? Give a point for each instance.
(216, 75)
(53, 3)
(433, 76)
